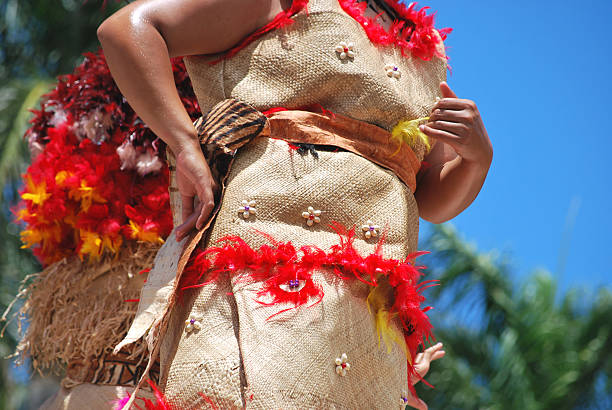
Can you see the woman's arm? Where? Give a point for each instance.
(138, 42)
(459, 162)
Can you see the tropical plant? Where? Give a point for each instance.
(38, 40)
(512, 346)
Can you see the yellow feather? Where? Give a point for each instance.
(377, 302)
(388, 333)
(408, 132)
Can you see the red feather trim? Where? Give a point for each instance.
(209, 401)
(278, 288)
(282, 19)
(286, 275)
(414, 35)
(271, 111)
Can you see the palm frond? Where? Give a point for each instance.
(14, 154)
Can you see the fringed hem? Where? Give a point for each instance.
(78, 311)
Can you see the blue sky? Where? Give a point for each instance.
(539, 72)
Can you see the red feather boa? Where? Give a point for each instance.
(418, 39)
(276, 265)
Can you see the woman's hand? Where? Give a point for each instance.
(458, 163)
(457, 122)
(421, 364)
(197, 188)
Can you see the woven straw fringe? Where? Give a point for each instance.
(78, 311)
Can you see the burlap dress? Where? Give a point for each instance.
(222, 345)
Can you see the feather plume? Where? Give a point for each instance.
(412, 32)
(408, 132)
(285, 275)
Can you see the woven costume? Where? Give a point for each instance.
(292, 308)
(289, 298)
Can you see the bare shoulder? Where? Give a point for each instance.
(195, 26)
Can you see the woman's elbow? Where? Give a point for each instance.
(108, 31)
(434, 218)
(433, 211)
(125, 24)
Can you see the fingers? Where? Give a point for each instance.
(205, 210)
(442, 114)
(434, 352)
(196, 219)
(453, 104)
(418, 358)
(446, 90)
(438, 355)
(456, 128)
(423, 360)
(445, 136)
(189, 220)
(186, 206)
(187, 226)
(197, 199)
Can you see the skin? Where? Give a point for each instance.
(459, 162)
(422, 362)
(138, 42)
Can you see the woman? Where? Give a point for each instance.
(374, 69)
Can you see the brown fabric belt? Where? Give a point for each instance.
(358, 137)
(231, 124)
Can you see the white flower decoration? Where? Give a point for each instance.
(247, 208)
(312, 216)
(370, 230)
(393, 71)
(345, 50)
(342, 366)
(192, 324)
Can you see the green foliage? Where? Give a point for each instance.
(46, 38)
(39, 40)
(514, 347)
(16, 99)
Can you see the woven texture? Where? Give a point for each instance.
(239, 358)
(298, 66)
(58, 334)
